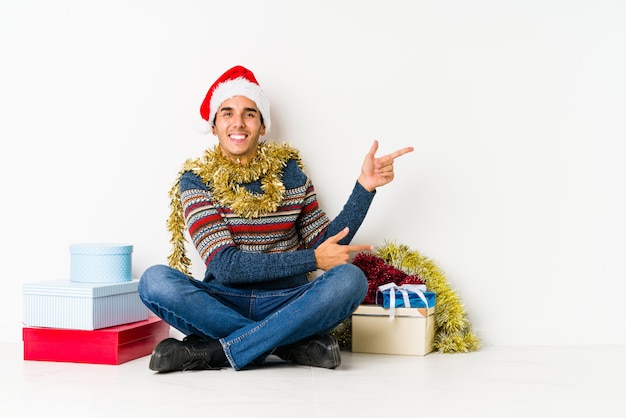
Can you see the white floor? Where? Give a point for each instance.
(493, 382)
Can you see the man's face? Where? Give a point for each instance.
(238, 128)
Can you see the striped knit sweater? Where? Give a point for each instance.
(274, 251)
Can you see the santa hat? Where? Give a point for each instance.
(238, 81)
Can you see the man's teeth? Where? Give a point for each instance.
(238, 137)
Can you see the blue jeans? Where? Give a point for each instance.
(250, 324)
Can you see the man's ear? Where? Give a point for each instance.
(213, 130)
(262, 131)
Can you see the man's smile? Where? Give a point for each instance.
(238, 137)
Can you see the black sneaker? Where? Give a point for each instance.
(192, 353)
(317, 351)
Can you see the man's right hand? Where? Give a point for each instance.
(330, 253)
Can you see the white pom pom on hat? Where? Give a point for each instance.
(238, 81)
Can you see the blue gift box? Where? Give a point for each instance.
(82, 306)
(101, 263)
(383, 298)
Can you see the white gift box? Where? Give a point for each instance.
(82, 306)
(410, 331)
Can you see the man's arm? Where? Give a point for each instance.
(375, 172)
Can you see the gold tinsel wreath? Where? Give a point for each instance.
(453, 330)
(453, 333)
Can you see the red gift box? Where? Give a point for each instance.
(113, 345)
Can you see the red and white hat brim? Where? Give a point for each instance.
(240, 87)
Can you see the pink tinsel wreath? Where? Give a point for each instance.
(378, 273)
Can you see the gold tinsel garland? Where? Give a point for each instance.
(453, 331)
(226, 179)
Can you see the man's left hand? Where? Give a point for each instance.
(377, 172)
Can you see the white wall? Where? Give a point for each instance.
(515, 108)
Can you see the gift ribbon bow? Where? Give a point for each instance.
(418, 289)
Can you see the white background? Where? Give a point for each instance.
(515, 109)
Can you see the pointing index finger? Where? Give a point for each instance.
(401, 152)
(359, 248)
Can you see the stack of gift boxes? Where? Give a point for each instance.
(94, 317)
(402, 321)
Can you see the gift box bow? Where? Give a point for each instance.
(406, 290)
